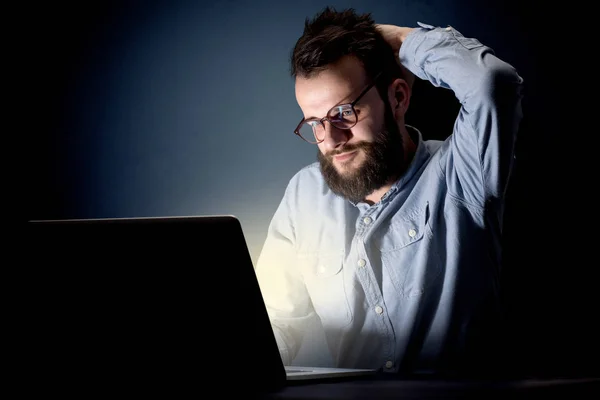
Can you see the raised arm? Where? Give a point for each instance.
(480, 150)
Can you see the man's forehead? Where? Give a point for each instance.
(334, 85)
(346, 71)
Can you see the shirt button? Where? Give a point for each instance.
(389, 364)
(362, 263)
(412, 233)
(378, 309)
(367, 220)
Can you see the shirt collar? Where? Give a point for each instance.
(419, 157)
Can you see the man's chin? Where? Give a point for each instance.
(345, 171)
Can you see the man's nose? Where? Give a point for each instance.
(334, 136)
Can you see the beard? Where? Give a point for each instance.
(384, 160)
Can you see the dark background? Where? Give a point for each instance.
(149, 108)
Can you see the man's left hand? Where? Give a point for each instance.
(395, 36)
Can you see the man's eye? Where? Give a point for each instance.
(342, 114)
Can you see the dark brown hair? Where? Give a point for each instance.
(332, 34)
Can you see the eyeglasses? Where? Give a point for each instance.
(342, 116)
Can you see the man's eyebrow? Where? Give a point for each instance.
(345, 100)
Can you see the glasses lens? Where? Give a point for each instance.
(343, 116)
(312, 131)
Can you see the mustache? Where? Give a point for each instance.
(347, 148)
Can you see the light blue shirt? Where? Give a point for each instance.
(411, 282)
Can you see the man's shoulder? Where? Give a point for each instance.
(308, 185)
(433, 146)
(309, 175)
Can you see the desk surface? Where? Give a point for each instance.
(374, 389)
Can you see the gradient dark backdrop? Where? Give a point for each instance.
(152, 108)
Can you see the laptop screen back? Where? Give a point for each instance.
(148, 305)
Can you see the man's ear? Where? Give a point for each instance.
(399, 96)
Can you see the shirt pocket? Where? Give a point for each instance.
(408, 253)
(324, 278)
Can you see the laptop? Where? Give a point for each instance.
(159, 303)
